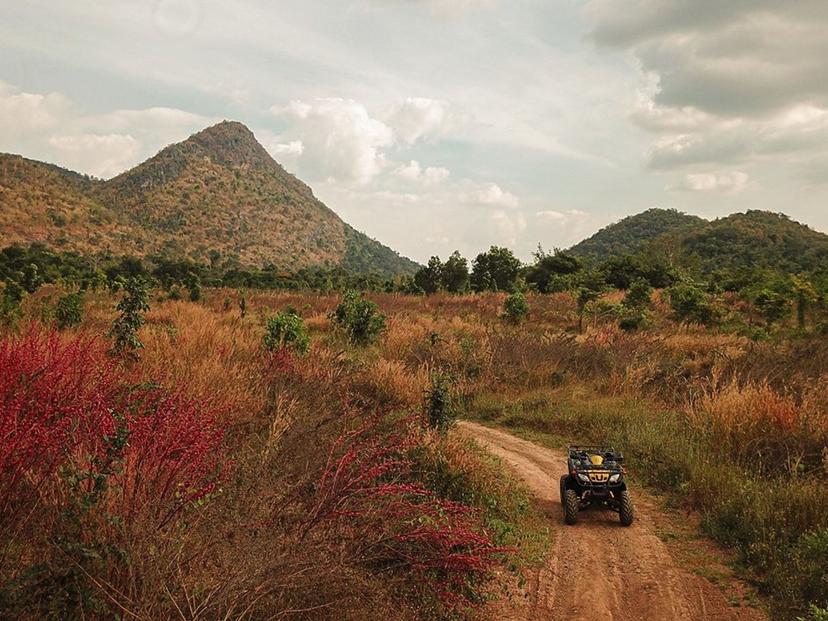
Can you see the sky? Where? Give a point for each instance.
(435, 125)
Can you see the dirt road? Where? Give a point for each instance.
(598, 569)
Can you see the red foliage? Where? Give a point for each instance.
(66, 404)
(366, 486)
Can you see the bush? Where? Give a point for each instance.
(515, 308)
(133, 304)
(360, 318)
(639, 294)
(86, 461)
(286, 330)
(69, 310)
(692, 304)
(440, 410)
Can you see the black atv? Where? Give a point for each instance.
(595, 479)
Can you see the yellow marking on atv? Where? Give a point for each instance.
(600, 476)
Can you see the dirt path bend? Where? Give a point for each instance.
(598, 569)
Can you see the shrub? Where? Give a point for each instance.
(87, 462)
(286, 330)
(439, 404)
(133, 304)
(69, 310)
(360, 318)
(639, 295)
(691, 303)
(515, 308)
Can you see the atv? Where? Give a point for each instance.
(595, 479)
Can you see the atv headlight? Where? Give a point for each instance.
(583, 478)
(615, 478)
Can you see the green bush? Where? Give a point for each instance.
(515, 308)
(692, 304)
(439, 405)
(69, 310)
(133, 304)
(360, 318)
(638, 296)
(286, 330)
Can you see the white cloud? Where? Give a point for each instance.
(726, 183)
(103, 155)
(419, 118)
(492, 194)
(504, 228)
(431, 175)
(22, 112)
(551, 215)
(294, 147)
(341, 140)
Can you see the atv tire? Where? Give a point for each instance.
(563, 489)
(571, 505)
(625, 509)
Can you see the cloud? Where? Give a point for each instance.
(726, 83)
(419, 118)
(551, 215)
(102, 155)
(414, 172)
(725, 183)
(340, 139)
(22, 112)
(491, 194)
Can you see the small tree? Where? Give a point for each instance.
(133, 304)
(496, 270)
(429, 278)
(193, 284)
(773, 306)
(439, 404)
(455, 276)
(515, 308)
(805, 294)
(10, 300)
(591, 288)
(639, 295)
(286, 330)
(691, 303)
(242, 304)
(360, 318)
(69, 310)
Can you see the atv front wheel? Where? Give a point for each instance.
(626, 510)
(571, 505)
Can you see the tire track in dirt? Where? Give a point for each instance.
(598, 569)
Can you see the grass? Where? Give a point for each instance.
(731, 428)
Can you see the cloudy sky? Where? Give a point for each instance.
(436, 125)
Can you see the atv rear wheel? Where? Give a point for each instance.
(571, 505)
(563, 489)
(626, 509)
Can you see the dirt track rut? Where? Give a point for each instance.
(598, 569)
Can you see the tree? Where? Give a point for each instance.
(772, 305)
(549, 268)
(286, 330)
(133, 304)
(69, 310)
(805, 294)
(590, 288)
(455, 276)
(360, 318)
(495, 270)
(515, 308)
(429, 278)
(691, 303)
(639, 295)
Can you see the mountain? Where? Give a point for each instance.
(634, 233)
(754, 240)
(219, 191)
(757, 240)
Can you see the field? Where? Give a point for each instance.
(212, 477)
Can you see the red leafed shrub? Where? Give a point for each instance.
(71, 426)
(55, 403)
(368, 488)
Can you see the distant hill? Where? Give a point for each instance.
(751, 240)
(759, 240)
(219, 191)
(634, 233)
